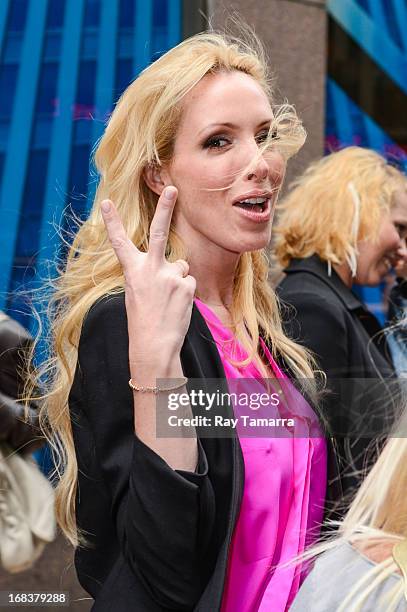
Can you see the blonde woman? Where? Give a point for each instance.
(344, 221)
(364, 568)
(167, 279)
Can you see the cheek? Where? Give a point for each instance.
(277, 167)
(198, 175)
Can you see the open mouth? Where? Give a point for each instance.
(258, 205)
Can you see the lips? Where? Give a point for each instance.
(257, 200)
(258, 215)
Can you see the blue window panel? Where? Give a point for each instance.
(3, 21)
(1, 165)
(142, 36)
(174, 23)
(399, 9)
(159, 29)
(85, 94)
(56, 14)
(90, 44)
(394, 27)
(19, 303)
(92, 13)
(160, 13)
(42, 132)
(83, 129)
(32, 205)
(12, 47)
(17, 15)
(52, 48)
(126, 13)
(4, 132)
(76, 205)
(8, 81)
(79, 178)
(124, 43)
(124, 75)
(47, 102)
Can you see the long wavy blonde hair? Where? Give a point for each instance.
(141, 131)
(377, 514)
(319, 215)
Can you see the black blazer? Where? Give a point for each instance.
(158, 538)
(323, 314)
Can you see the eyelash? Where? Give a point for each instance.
(210, 143)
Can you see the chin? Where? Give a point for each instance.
(254, 243)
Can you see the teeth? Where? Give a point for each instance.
(254, 201)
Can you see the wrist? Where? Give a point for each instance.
(147, 369)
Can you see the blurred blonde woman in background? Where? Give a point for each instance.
(344, 221)
(168, 279)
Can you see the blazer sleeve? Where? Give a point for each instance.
(320, 327)
(163, 517)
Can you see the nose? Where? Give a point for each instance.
(259, 171)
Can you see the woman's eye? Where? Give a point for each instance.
(262, 136)
(216, 142)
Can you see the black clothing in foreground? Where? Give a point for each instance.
(158, 538)
(324, 315)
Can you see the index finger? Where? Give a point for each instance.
(160, 225)
(123, 247)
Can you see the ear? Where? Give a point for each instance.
(156, 177)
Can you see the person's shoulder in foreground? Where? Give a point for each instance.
(332, 578)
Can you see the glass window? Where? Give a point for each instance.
(52, 47)
(92, 13)
(1, 166)
(79, 177)
(160, 13)
(32, 205)
(17, 15)
(55, 15)
(126, 13)
(86, 84)
(47, 102)
(124, 75)
(8, 81)
(77, 194)
(160, 29)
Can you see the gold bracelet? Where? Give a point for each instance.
(156, 390)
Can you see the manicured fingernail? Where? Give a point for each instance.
(169, 193)
(105, 206)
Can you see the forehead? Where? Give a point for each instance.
(226, 97)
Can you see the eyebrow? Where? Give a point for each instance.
(232, 126)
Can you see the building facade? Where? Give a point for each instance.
(366, 88)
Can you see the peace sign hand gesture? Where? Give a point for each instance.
(158, 294)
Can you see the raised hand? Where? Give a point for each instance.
(159, 294)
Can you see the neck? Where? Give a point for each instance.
(214, 271)
(344, 273)
(214, 282)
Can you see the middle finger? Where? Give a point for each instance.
(160, 225)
